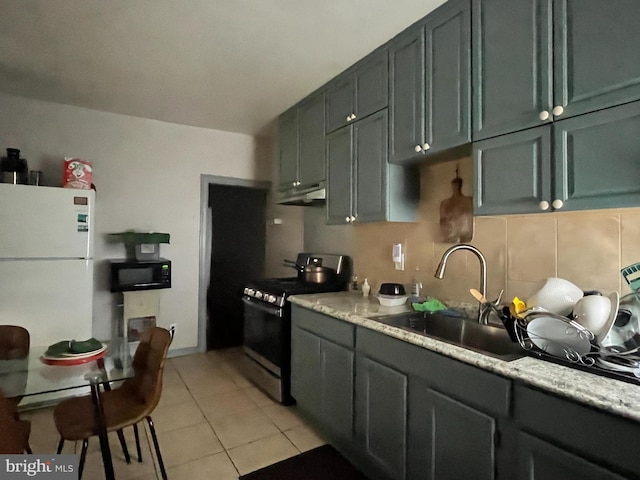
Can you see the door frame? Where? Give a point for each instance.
(205, 242)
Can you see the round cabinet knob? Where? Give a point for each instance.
(557, 111)
(418, 148)
(293, 183)
(557, 204)
(353, 116)
(426, 146)
(347, 219)
(348, 118)
(352, 218)
(544, 205)
(544, 115)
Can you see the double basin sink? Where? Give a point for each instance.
(463, 332)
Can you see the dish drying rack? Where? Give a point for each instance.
(618, 364)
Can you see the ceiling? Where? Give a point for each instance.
(230, 65)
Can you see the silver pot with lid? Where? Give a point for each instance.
(13, 169)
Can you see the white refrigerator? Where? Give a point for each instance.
(46, 261)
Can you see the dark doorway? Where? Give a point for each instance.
(238, 219)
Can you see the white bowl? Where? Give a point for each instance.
(392, 300)
(557, 295)
(593, 313)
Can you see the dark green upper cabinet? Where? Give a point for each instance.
(538, 61)
(358, 92)
(288, 134)
(512, 173)
(302, 144)
(311, 165)
(596, 54)
(357, 171)
(430, 99)
(595, 164)
(511, 65)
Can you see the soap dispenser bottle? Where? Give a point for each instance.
(365, 288)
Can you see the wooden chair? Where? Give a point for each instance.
(124, 406)
(14, 345)
(15, 432)
(14, 342)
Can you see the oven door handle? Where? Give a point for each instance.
(277, 311)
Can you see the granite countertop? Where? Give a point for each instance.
(614, 396)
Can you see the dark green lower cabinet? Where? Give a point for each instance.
(448, 440)
(402, 412)
(540, 460)
(381, 416)
(322, 372)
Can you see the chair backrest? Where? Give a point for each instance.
(15, 433)
(14, 342)
(148, 364)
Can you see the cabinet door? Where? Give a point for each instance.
(448, 76)
(512, 173)
(372, 85)
(596, 54)
(288, 134)
(511, 65)
(381, 416)
(306, 369)
(597, 159)
(339, 175)
(406, 103)
(448, 440)
(337, 389)
(370, 139)
(311, 141)
(539, 460)
(339, 102)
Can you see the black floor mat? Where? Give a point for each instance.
(322, 463)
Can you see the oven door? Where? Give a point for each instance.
(267, 334)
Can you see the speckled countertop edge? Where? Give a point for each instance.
(611, 395)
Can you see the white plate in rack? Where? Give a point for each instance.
(555, 337)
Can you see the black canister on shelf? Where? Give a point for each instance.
(14, 169)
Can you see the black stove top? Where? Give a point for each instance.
(294, 286)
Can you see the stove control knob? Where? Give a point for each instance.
(258, 294)
(251, 292)
(271, 299)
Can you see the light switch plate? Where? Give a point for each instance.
(398, 256)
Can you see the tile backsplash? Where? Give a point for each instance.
(587, 247)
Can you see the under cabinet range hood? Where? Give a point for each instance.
(314, 195)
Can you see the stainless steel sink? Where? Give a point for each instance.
(467, 333)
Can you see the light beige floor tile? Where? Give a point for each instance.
(213, 467)
(187, 444)
(172, 417)
(174, 394)
(225, 404)
(206, 387)
(94, 468)
(285, 418)
(244, 427)
(261, 453)
(259, 397)
(304, 438)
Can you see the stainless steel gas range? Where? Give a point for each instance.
(267, 320)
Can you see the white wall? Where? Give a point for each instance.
(147, 176)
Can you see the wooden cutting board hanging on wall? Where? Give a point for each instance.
(456, 215)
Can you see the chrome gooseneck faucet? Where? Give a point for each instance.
(483, 310)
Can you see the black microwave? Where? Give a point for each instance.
(132, 275)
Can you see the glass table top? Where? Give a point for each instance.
(31, 376)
